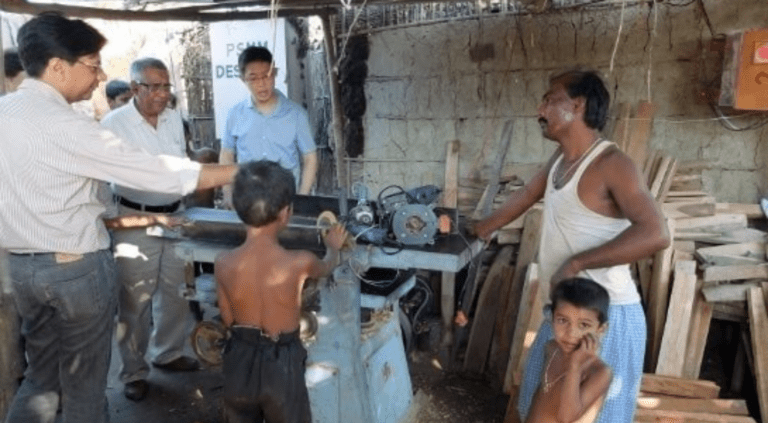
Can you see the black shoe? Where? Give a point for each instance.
(136, 390)
(181, 364)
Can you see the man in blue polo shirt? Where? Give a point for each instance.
(267, 125)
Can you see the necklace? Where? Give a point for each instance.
(561, 178)
(547, 385)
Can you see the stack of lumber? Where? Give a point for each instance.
(671, 399)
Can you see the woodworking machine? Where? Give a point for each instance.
(353, 324)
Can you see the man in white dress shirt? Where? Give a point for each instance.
(148, 269)
(54, 164)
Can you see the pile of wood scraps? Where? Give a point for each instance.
(716, 267)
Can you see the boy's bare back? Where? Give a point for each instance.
(260, 283)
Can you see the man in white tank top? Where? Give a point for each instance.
(598, 217)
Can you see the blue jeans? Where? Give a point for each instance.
(67, 318)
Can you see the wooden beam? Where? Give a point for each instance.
(196, 14)
(670, 416)
(637, 143)
(337, 115)
(732, 273)
(732, 407)
(507, 318)
(529, 318)
(451, 184)
(486, 201)
(752, 211)
(717, 223)
(621, 129)
(488, 304)
(758, 327)
(728, 292)
(671, 358)
(679, 387)
(658, 298)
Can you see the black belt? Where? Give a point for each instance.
(167, 208)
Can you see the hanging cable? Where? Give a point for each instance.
(618, 35)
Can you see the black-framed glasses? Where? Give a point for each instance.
(96, 67)
(154, 88)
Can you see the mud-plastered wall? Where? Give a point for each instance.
(430, 84)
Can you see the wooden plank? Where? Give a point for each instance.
(727, 292)
(691, 194)
(687, 183)
(752, 211)
(448, 279)
(620, 132)
(447, 307)
(727, 237)
(687, 246)
(679, 387)
(667, 182)
(509, 236)
(484, 206)
(671, 358)
(529, 318)
(701, 320)
(690, 166)
(717, 223)
(651, 167)
(507, 318)
(642, 124)
(732, 407)
(671, 416)
(755, 250)
(484, 318)
(658, 298)
(758, 327)
(731, 273)
(451, 184)
(658, 179)
(683, 209)
(732, 311)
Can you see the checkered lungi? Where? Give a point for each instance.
(622, 348)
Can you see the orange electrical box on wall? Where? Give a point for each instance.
(750, 66)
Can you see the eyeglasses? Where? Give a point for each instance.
(252, 79)
(95, 67)
(154, 88)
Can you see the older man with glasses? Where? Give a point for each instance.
(147, 265)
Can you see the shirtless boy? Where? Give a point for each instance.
(259, 290)
(575, 379)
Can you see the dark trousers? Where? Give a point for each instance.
(67, 318)
(264, 378)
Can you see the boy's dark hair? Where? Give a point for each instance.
(261, 189)
(583, 293)
(50, 35)
(116, 87)
(589, 85)
(12, 63)
(253, 54)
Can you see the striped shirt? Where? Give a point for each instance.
(53, 165)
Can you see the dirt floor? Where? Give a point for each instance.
(439, 396)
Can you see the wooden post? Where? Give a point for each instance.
(507, 316)
(658, 294)
(758, 327)
(673, 342)
(529, 318)
(339, 149)
(448, 282)
(485, 314)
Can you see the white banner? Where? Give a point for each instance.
(228, 39)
